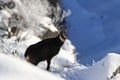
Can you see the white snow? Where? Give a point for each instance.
(12, 68)
(101, 70)
(47, 22)
(64, 66)
(4, 15)
(15, 68)
(66, 56)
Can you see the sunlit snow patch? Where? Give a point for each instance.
(15, 69)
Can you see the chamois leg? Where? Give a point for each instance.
(48, 64)
(31, 60)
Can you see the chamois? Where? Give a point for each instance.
(45, 49)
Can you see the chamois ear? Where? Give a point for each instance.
(64, 29)
(63, 32)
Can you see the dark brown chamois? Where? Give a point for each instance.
(46, 49)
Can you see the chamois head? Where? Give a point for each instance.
(63, 33)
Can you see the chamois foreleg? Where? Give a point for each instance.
(48, 64)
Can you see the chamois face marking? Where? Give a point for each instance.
(63, 34)
(45, 49)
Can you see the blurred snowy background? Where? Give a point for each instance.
(93, 39)
(93, 27)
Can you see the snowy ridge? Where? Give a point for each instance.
(104, 69)
(101, 70)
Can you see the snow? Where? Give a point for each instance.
(64, 66)
(10, 65)
(12, 68)
(101, 70)
(4, 18)
(47, 22)
(29, 37)
(116, 77)
(66, 56)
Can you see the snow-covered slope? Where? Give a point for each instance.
(63, 66)
(12, 68)
(101, 70)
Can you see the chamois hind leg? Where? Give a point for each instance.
(48, 64)
(31, 60)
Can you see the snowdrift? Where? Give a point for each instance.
(12, 68)
(101, 70)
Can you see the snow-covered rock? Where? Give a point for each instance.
(47, 22)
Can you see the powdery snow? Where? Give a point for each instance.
(63, 65)
(101, 70)
(12, 68)
(47, 22)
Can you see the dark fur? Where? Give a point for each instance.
(44, 50)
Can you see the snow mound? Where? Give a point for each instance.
(106, 69)
(103, 69)
(12, 68)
